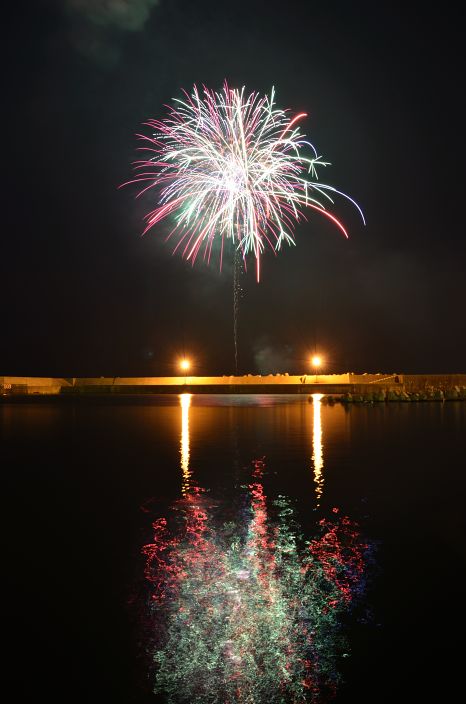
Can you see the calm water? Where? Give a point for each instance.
(85, 481)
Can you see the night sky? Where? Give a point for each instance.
(85, 294)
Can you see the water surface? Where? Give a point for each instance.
(84, 482)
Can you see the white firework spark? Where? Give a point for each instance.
(231, 166)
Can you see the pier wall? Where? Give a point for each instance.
(252, 384)
(32, 385)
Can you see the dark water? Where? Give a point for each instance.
(84, 481)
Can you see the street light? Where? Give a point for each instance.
(316, 362)
(185, 364)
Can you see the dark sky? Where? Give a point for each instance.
(84, 294)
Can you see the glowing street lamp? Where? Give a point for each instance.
(316, 362)
(185, 365)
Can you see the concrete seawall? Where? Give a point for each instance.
(251, 384)
(20, 386)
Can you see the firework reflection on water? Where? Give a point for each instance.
(247, 609)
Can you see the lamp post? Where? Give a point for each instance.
(185, 365)
(316, 362)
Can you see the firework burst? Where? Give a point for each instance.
(231, 166)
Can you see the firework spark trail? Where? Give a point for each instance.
(231, 166)
(236, 298)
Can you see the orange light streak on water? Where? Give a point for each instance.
(185, 403)
(317, 447)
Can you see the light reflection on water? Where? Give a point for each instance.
(317, 446)
(185, 401)
(243, 608)
(299, 433)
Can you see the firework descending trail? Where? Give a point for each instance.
(236, 297)
(231, 166)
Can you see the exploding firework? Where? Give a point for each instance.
(231, 166)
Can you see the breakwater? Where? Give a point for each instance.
(346, 387)
(455, 393)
